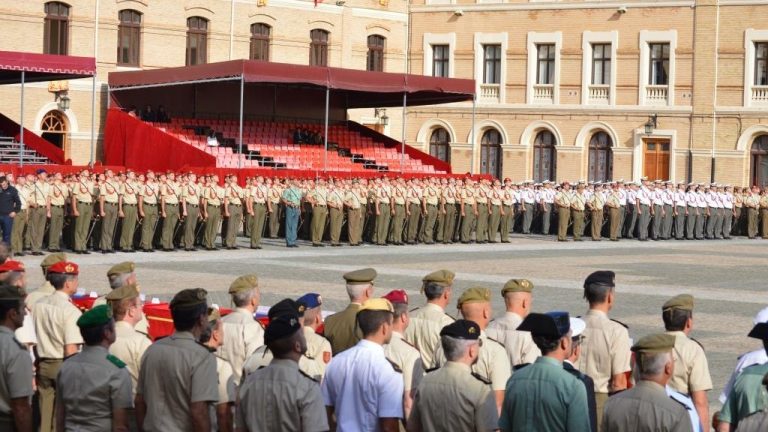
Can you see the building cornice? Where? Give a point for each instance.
(500, 7)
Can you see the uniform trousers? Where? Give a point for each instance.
(727, 222)
(291, 224)
(82, 225)
(764, 221)
(615, 216)
(666, 222)
(190, 225)
(467, 222)
(449, 230)
(440, 226)
(690, 222)
(622, 218)
(546, 217)
(680, 222)
(337, 219)
(505, 225)
(600, 400)
(353, 225)
(47, 372)
(108, 223)
(701, 219)
(382, 223)
(643, 219)
(257, 223)
(712, 222)
(55, 227)
(130, 216)
(481, 232)
(658, 216)
(397, 225)
(170, 221)
(597, 224)
(212, 225)
(527, 218)
(319, 215)
(233, 224)
(274, 219)
(737, 225)
(17, 231)
(563, 219)
(148, 226)
(37, 219)
(752, 216)
(578, 223)
(430, 219)
(494, 221)
(631, 218)
(413, 222)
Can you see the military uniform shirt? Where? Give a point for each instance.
(408, 360)
(519, 344)
(91, 385)
(40, 193)
(129, 347)
(451, 399)
(191, 194)
(311, 366)
(171, 192)
(149, 192)
(281, 398)
(492, 363)
(58, 194)
(341, 328)
(234, 192)
(214, 195)
(605, 351)
(175, 372)
(45, 290)
(15, 371)
(691, 367)
(646, 407)
(242, 335)
(227, 389)
(757, 422)
(128, 190)
(110, 192)
(424, 331)
(748, 395)
(56, 325)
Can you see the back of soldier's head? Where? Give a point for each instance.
(598, 285)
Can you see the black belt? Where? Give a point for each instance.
(151, 205)
(130, 205)
(578, 211)
(400, 205)
(321, 205)
(260, 204)
(192, 205)
(170, 204)
(54, 205)
(109, 203)
(83, 202)
(431, 205)
(236, 205)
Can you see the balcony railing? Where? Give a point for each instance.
(759, 95)
(543, 93)
(656, 94)
(490, 93)
(599, 94)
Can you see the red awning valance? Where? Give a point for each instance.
(43, 67)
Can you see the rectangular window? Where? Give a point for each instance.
(761, 63)
(601, 64)
(197, 41)
(318, 48)
(56, 29)
(659, 64)
(375, 60)
(260, 41)
(440, 60)
(491, 64)
(129, 38)
(545, 64)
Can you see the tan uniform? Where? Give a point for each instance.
(242, 335)
(227, 389)
(341, 328)
(33, 297)
(170, 192)
(234, 194)
(275, 193)
(597, 204)
(110, 191)
(191, 194)
(214, 195)
(259, 196)
(311, 367)
(281, 398)
(91, 385)
(452, 399)
(38, 211)
(578, 205)
(319, 213)
(149, 196)
(614, 207)
(355, 210)
(129, 194)
(519, 344)
(167, 397)
(82, 193)
(424, 331)
(21, 219)
(407, 358)
(563, 203)
(691, 367)
(129, 347)
(142, 326)
(59, 194)
(15, 375)
(467, 221)
(645, 407)
(492, 363)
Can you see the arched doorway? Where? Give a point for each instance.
(759, 161)
(544, 157)
(54, 128)
(439, 144)
(490, 153)
(600, 157)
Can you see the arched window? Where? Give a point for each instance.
(375, 61)
(129, 38)
(56, 32)
(490, 153)
(439, 144)
(260, 34)
(197, 41)
(54, 128)
(544, 157)
(759, 171)
(318, 48)
(600, 157)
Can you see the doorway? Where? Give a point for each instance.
(656, 158)
(54, 128)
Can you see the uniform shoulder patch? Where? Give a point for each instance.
(308, 376)
(699, 343)
(481, 378)
(115, 361)
(620, 323)
(395, 366)
(432, 369)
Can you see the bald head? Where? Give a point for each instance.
(479, 312)
(518, 302)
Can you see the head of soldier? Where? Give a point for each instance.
(12, 308)
(63, 276)
(212, 335)
(311, 305)
(551, 332)
(97, 326)
(245, 292)
(360, 284)
(599, 290)
(399, 301)
(518, 296)
(375, 319)
(42, 174)
(13, 273)
(436, 287)
(654, 360)
(677, 313)
(121, 274)
(126, 304)
(475, 305)
(189, 311)
(461, 341)
(577, 328)
(284, 337)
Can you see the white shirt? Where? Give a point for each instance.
(726, 198)
(644, 196)
(749, 359)
(623, 197)
(688, 402)
(362, 386)
(680, 198)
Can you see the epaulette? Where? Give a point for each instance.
(494, 340)
(702, 346)
(520, 366)
(432, 369)
(115, 361)
(687, 408)
(414, 309)
(619, 322)
(481, 378)
(308, 376)
(409, 344)
(21, 345)
(395, 366)
(452, 318)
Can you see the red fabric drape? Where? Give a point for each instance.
(9, 127)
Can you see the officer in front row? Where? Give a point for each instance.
(94, 387)
(341, 327)
(647, 405)
(452, 397)
(15, 364)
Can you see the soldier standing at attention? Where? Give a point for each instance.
(242, 333)
(129, 345)
(258, 206)
(109, 199)
(39, 209)
(233, 211)
(20, 221)
(319, 199)
(518, 298)
(335, 201)
(681, 211)
(752, 204)
(481, 198)
(404, 356)
(354, 213)
(507, 210)
(647, 406)
(58, 336)
(127, 210)
(528, 197)
(605, 355)
(430, 202)
(94, 387)
(384, 211)
(643, 197)
(340, 328)
(563, 204)
(578, 205)
(170, 193)
(494, 219)
(449, 197)
(468, 207)
(15, 364)
(59, 195)
(148, 200)
(191, 200)
(613, 202)
(414, 210)
(691, 375)
(426, 321)
(211, 203)
(453, 398)
(596, 204)
(275, 211)
(692, 211)
(292, 201)
(547, 200)
(163, 401)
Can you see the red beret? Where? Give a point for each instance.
(397, 296)
(64, 267)
(12, 266)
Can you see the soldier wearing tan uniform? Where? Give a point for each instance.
(82, 209)
(119, 276)
(319, 199)
(413, 203)
(494, 218)
(38, 210)
(563, 204)
(449, 201)
(259, 205)
(430, 204)
(128, 211)
(596, 203)
(613, 202)
(242, 333)
(468, 207)
(384, 211)
(129, 345)
(341, 328)
(578, 205)
(353, 200)
(691, 376)
(221, 412)
(233, 211)
(191, 200)
(519, 344)
(213, 196)
(59, 193)
(109, 197)
(21, 220)
(15, 364)
(275, 210)
(335, 200)
(427, 321)
(605, 352)
(148, 201)
(170, 192)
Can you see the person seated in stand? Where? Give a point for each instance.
(162, 115)
(212, 141)
(298, 137)
(148, 114)
(132, 111)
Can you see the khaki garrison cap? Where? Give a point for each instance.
(10, 292)
(213, 314)
(517, 285)
(377, 304)
(474, 295)
(122, 268)
(189, 298)
(52, 259)
(682, 302)
(124, 292)
(244, 283)
(655, 343)
(442, 277)
(360, 277)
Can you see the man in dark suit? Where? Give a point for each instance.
(577, 327)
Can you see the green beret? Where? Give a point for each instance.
(517, 285)
(360, 277)
(12, 292)
(97, 316)
(474, 295)
(189, 297)
(52, 259)
(442, 277)
(244, 283)
(655, 343)
(682, 302)
(124, 292)
(462, 329)
(120, 269)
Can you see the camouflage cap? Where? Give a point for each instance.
(655, 343)
(474, 295)
(124, 292)
(244, 283)
(517, 285)
(97, 316)
(189, 298)
(360, 277)
(681, 302)
(120, 269)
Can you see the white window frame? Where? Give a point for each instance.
(438, 39)
(648, 37)
(588, 39)
(482, 39)
(534, 39)
(750, 37)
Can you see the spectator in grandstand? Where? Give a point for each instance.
(10, 204)
(133, 111)
(212, 141)
(162, 115)
(298, 136)
(148, 114)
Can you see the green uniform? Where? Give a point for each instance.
(15, 375)
(577, 209)
(431, 202)
(336, 214)
(468, 218)
(191, 194)
(319, 214)
(59, 195)
(748, 396)
(382, 219)
(481, 197)
(235, 209)
(171, 193)
(110, 192)
(276, 214)
(355, 207)
(213, 195)
(341, 328)
(149, 195)
(645, 407)
(38, 210)
(449, 199)
(563, 203)
(82, 194)
(259, 204)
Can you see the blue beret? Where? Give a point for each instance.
(311, 300)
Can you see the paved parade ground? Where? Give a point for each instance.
(727, 278)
